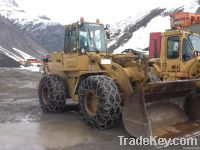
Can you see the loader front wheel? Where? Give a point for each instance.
(52, 93)
(99, 101)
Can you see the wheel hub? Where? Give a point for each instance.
(45, 97)
(91, 103)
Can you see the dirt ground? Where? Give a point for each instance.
(23, 125)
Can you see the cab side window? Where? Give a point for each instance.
(67, 44)
(187, 51)
(70, 40)
(73, 39)
(173, 47)
(83, 40)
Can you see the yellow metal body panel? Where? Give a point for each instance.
(73, 65)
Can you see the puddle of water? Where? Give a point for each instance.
(49, 135)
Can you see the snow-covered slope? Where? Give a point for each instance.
(133, 32)
(9, 59)
(11, 36)
(140, 38)
(40, 28)
(18, 56)
(10, 54)
(11, 10)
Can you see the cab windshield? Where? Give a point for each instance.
(92, 37)
(195, 41)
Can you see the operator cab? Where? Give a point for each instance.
(178, 44)
(85, 37)
(181, 45)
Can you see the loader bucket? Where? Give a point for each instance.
(165, 109)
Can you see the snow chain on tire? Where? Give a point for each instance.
(108, 101)
(52, 93)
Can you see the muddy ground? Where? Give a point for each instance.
(23, 125)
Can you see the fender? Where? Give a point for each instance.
(54, 68)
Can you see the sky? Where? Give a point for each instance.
(65, 11)
(108, 11)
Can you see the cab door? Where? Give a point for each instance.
(71, 48)
(187, 56)
(173, 56)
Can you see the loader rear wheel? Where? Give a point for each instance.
(52, 93)
(99, 101)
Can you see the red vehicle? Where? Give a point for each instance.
(184, 19)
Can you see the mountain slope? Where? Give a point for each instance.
(51, 37)
(11, 36)
(133, 32)
(6, 61)
(122, 38)
(42, 29)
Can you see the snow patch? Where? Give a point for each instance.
(32, 68)
(10, 10)
(23, 54)
(11, 55)
(140, 38)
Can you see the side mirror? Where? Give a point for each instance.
(107, 30)
(196, 53)
(79, 23)
(107, 26)
(108, 34)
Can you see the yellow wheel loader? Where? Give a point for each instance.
(156, 95)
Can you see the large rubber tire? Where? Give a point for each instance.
(108, 105)
(52, 93)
